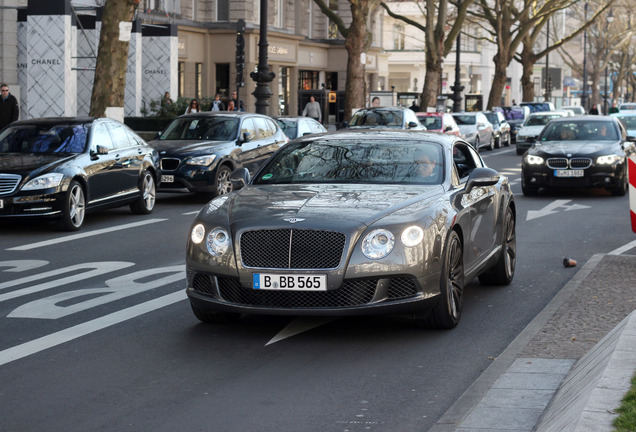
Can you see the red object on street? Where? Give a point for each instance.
(631, 169)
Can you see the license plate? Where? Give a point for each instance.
(290, 282)
(568, 173)
(167, 179)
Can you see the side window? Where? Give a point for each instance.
(248, 127)
(120, 137)
(271, 127)
(465, 159)
(101, 136)
(262, 128)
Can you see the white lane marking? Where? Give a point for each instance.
(71, 333)
(191, 213)
(554, 208)
(300, 325)
(22, 265)
(624, 248)
(85, 234)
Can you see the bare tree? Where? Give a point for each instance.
(358, 39)
(439, 38)
(112, 57)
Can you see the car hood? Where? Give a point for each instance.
(531, 130)
(334, 206)
(175, 147)
(30, 164)
(578, 148)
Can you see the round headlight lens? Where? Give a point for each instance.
(378, 244)
(412, 236)
(198, 234)
(218, 241)
(534, 160)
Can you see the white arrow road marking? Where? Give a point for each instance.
(67, 238)
(554, 207)
(67, 335)
(300, 325)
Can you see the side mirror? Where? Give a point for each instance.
(247, 137)
(101, 150)
(448, 129)
(631, 138)
(412, 124)
(239, 178)
(481, 177)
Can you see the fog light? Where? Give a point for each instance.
(608, 180)
(533, 180)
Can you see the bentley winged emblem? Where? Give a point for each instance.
(293, 220)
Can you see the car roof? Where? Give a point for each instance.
(55, 120)
(544, 113)
(238, 114)
(429, 114)
(385, 134)
(585, 118)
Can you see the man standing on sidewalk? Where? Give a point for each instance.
(9, 110)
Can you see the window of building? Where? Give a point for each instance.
(222, 10)
(181, 79)
(284, 90)
(198, 79)
(223, 79)
(331, 79)
(398, 37)
(308, 80)
(469, 43)
(333, 28)
(277, 16)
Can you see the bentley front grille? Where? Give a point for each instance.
(292, 249)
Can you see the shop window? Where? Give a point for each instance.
(308, 80)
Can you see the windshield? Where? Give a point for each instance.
(580, 131)
(541, 120)
(465, 119)
(513, 113)
(377, 118)
(347, 161)
(431, 123)
(492, 118)
(198, 128)
(64, 138)
(289, 127)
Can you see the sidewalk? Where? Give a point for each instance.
(569, 368)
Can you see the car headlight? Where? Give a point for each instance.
(412, 236)
(608, 160)
(198, 234)
(204, 160)
(378, 244)
(534, 160)
(45, 181)
(218, 242)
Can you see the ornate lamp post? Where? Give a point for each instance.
(457, 88)
(610, 18)
(584, 102)
(262, 76)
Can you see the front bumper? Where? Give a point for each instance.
(42, 203)
(195, 178)
(606, 176)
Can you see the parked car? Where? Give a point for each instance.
(575, 109)
(627, 106)
(539, 106)
(500, 127)
(576, 152)
(476, 129)
(515, 116)
(628, 120)
(199, 151)
(385, 117)
(533, 126)
(351, 223)
(439, 122)
(295, 127)
(61, 168)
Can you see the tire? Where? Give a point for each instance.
(528, 190)
(498, 142)
(477, 144)
(222, 183)
(504, 270)
(491, 145)
(214, 317)
(624, 186)
(447, 312)
(74, 207)
(146, 201)
(508, 141)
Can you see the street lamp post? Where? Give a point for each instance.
(610, 18)
(548, 92)
(262, 76)
(584, 102)
(457, 88)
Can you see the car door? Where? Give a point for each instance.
(103, 172)
(481, 205)
(128, 159)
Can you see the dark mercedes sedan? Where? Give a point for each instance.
(579, 152)
(199, 151)
(355, 222)
(63, 167)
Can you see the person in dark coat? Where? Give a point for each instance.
(9, 110)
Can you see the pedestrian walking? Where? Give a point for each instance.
(9, 109)
(594, 110)
(312, 109)
(217, 103)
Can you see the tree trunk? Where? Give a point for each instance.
(528, 60)
(112, 58)
(355, 45)
(432, 79)
(501, 61)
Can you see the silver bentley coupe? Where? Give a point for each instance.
(355, 222)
